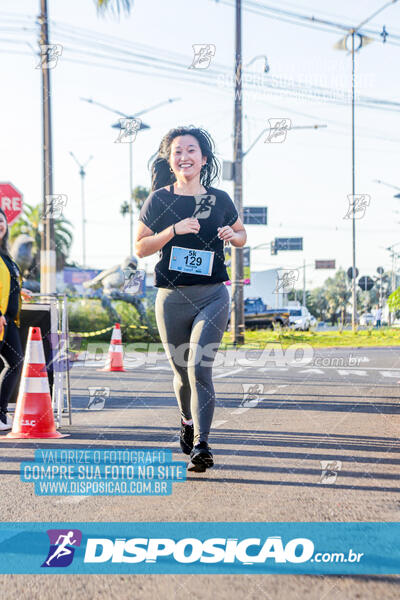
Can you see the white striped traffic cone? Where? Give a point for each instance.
(115, 351)
(34, 414)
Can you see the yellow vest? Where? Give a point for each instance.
(5, 280)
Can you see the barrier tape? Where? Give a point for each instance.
(93, 333)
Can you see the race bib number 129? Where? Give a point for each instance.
(189, 260)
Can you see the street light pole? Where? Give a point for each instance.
(48, 248)
(353, 188)
(352, 32)
(237, 253)
(119, 126)
(131, 207)
(82, 173)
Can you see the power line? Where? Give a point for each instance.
(303, 20)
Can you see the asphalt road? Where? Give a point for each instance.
(342, 406)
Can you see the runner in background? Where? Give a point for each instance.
(187, 222)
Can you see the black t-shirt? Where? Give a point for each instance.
(215, 209)
(13, 300)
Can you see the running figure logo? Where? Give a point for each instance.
(204, 204)
(62, 542)
(359, 203)
(252, 393)
(286, 282)
(203, 53)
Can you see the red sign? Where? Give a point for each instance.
(10, 201)
(325, 264)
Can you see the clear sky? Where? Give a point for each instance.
(303, 181)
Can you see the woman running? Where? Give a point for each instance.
(10, 305)
(187, 222)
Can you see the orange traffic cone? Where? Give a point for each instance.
(115, 351)
(34, 414)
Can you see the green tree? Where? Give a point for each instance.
(30, 223)
(139, 195)
(338, 294)
(317, 303)
(394, 301)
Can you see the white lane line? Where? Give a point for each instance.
(218, 423)
(317, 371)
(226, 374)
(273, 369)
(389, 374)
(366, 368)
(352, 372)
(242, 409)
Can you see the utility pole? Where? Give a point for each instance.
(82, 173)
(304, 283)
(341, 45)
(353, 190)
(237, 253)
(48, 248)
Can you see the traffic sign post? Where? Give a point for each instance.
(255, 215)
(350, 273)
(325, 264)
(290, 244)
(380, 271)
(11, 202)
(366, 283)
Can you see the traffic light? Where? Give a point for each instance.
(273, 249)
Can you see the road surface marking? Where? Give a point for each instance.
(274, 369)
(228, 373)
(389, 374)
(352, 372)
(218, 423)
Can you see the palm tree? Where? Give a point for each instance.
(139, 195)
(30, 223)
(114, 5)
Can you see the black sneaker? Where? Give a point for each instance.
(186, 438)
(200, 458)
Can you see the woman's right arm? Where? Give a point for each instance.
(148, 242)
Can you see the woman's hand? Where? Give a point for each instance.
(3, 323)
(226, 233)
(188, 225)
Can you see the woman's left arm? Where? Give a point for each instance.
(236, 234)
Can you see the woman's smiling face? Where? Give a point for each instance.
(186, 159)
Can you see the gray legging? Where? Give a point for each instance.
(195, 315)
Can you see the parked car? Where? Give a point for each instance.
(256, 314)
(299, 318)
(367, 319)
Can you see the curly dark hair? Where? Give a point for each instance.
(160, 171)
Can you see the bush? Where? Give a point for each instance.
(87, 315)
